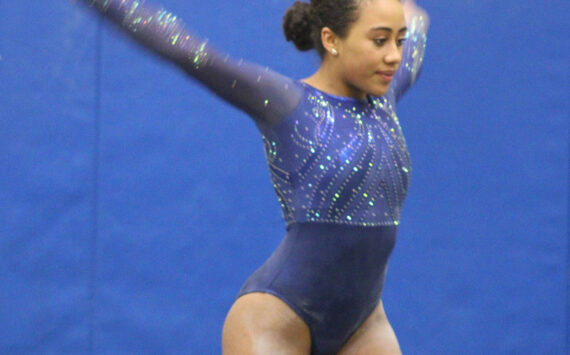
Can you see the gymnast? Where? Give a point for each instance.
(337, 159)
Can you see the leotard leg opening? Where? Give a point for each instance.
(331, 275)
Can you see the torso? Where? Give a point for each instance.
(339, 160)
(340, 168)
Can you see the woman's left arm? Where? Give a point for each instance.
(417, 21)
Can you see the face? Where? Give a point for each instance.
(371, 52)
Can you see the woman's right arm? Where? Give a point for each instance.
(263, 94)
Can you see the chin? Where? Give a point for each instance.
(379, 91)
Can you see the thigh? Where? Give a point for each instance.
(260, 323)
(374, 337)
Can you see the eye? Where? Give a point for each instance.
(401, 41)
(380, 41)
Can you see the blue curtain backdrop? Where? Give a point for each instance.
(133, 203)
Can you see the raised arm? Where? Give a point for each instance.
(263, 94)
(417, 21)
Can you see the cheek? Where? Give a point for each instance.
(364, 66)
(363, 60)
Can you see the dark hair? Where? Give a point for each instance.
(303, 22)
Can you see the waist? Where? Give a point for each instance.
(340, 229)
(332, 242)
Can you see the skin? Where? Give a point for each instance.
(260, 323)
(372, 46)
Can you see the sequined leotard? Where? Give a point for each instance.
(339, 166)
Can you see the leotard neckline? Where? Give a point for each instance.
(348, 99)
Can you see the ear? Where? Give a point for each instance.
(330, 40)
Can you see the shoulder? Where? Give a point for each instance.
(386, 103)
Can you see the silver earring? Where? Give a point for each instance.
(334, 52)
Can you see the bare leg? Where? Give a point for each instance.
(374, 337)
(260, 323)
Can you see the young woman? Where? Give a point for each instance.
(338, 162)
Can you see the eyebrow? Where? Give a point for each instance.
(380, 28)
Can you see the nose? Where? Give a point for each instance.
(394, 54)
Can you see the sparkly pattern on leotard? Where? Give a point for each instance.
(339, 160)
(164, 25)
(412, 57)
(263, 94)
(332, 159)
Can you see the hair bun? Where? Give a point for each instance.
(297, 25)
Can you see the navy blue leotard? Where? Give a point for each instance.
(339, 165)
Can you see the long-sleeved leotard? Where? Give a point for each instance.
(263, 94)
(340, 168)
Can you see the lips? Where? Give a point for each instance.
(386, 75)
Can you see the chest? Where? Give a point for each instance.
(339, 139)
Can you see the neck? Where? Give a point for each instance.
(329, 80)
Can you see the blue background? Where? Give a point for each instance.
(133, 203)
